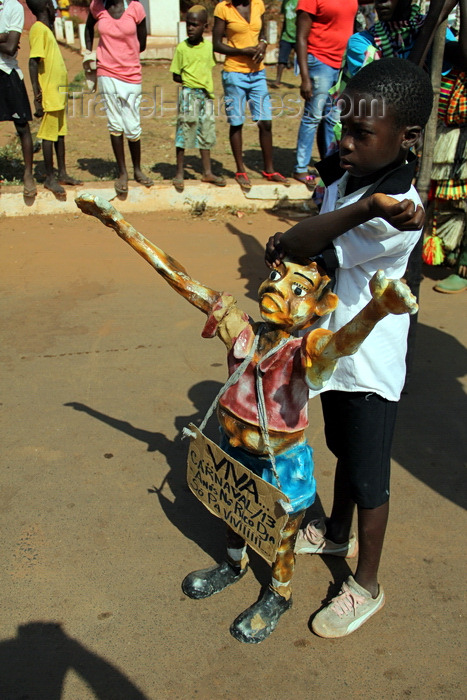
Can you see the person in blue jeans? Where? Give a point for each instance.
(323, 29)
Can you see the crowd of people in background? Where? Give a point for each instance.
(321, 36)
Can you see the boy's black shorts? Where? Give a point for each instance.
(359, 428)
(14, 103)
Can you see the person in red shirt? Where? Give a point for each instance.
(323, 29)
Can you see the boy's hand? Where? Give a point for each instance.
(39, 112)
(274, 252)
(402, 215)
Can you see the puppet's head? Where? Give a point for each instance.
(295, 295)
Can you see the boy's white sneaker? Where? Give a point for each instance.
(312, 540)
(347, 611)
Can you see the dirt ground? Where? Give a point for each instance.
(88, 152)
(102, 365)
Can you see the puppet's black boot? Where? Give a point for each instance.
(206, 582)
(258, 621)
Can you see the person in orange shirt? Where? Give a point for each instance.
(240, 22)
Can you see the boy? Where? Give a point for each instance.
(360, 400)
(14, 103)
(49, 83)
(192, 67)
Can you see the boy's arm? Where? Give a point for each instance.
(89, 31)
(34, 75)
(142, 34)
(323, 348)
(304, 22)
(311, 236)
(9, 42)
(438, 11)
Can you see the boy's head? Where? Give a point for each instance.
(196, 23)
(42, 7)
(384, 108)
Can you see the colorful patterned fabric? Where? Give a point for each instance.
(392, 37)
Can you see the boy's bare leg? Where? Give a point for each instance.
(236, 143)
(25, 137)
(63, 176)
(371, 530)
(280, 70)
(51, 182)
(135, 152)
(208, 175)
(121, 184)
(179, 174)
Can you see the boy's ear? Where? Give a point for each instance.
(411, 136)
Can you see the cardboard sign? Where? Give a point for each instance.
(247, 503)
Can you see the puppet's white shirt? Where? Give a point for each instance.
(379, 364)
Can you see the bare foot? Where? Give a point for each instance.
(51, 183)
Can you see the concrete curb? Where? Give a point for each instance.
(162, 196)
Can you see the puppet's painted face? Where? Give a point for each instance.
(293, 297)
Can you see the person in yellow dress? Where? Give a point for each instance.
(49, 83)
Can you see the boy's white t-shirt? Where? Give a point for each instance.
(379, 364)
(11, 20)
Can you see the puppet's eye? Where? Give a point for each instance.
(298, 290)
(275, 275)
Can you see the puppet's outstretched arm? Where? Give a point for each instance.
(324, 348)
(196, 293)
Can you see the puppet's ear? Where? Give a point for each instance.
(327, 304)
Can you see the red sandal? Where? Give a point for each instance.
(244, 181)
(276, 177)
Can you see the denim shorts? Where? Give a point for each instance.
(242, 87)
(294, 467)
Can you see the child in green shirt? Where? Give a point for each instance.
(192, 67)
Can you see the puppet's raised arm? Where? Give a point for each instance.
(196, 293)
(324, 348)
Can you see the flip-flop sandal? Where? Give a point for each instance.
(244, 181)
(215, 180)
(29, 191)
(145, 181)
(179, 184)
(308, 180)
(276, 177)
(70, 181)
(120, 189)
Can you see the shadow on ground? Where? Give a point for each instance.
(192, 167)
(35, 662)
(99, 167)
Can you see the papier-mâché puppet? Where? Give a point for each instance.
(263, 413)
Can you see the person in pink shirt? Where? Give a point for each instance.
(122, 31)
(323, 29)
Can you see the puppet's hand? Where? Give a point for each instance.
(392, 296)
(402, 215)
